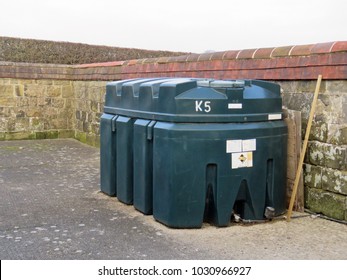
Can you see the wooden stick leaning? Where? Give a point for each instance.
(304, 147)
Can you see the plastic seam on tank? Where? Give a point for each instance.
(115, 109)
(178, 81)
(252, 119)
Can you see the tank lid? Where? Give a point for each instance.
(194, 100)
(221, 83)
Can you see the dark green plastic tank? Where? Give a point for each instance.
(194, 150)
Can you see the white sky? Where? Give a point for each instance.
(178, 25)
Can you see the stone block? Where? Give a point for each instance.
(19, 90)
(34, 112)
(22, 102)
(83, 116)
(336, 86)
(334, 180)
(33, 101)
(11, 125)
(327, 155)
(80, 90)
(7, 101)
(299, 102)
(36, 124)
(330, 108)
(54, 91)
(82, 105)
(67, 91)
(312, 176)
(337, 134)
(330, 204)
(335, 157)
(78, 115)
(6, 91)
(319, 131)
(7, 112)
(70, 103)
(3, 124)
(79, 125)
(20, 114)
(51, 112)
(95, 127)
(21, 124)
(315, 153)
(86, 127)
(94, 106)
(58, 123)
(34, 90)
(58, 102)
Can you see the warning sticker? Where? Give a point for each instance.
(240, 160)
(241, 152)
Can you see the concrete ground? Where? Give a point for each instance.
(51, 208)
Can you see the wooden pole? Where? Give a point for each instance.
(303, 151)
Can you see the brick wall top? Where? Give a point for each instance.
(302, 62)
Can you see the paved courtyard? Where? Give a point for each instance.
(51, 208)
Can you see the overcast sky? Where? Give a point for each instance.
(178, 25)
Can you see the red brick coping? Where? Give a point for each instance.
(302, 62)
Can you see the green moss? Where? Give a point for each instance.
(47, 134)
(330, 204)
(19, 135)
(66, 134)
(81, 136)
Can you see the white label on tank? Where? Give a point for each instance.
(234, 146)
(249, 145)
(241, 160)
(234, 105)
(274, 117)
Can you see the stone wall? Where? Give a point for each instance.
(41, 109)
(325, 168)
(36, 109)
(88, 109)
(49, 101)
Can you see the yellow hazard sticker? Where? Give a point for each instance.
(241, 160)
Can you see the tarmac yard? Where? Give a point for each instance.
(51, 208)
